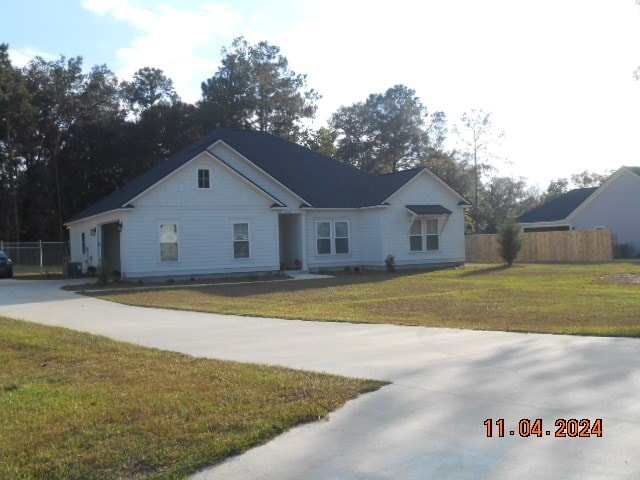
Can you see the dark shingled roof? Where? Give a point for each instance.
(559, 208)
(321, 181)
(429, 209)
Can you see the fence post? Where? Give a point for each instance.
(41, 256)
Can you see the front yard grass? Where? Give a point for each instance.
(78, 406)
(583, 299)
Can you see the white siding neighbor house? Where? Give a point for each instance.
(613, 205)
(240, 202)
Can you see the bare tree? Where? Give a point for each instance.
(479, 139)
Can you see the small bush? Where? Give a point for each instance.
(390, 262)
(171, 281)
(357, 269)
(509, 241)
(103, 273)
(92, 271)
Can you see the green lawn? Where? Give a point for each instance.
(78, 406)
(586, 299)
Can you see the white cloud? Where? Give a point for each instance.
(556, 75)
(172, 39)
(22, 56)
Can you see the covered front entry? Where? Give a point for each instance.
(291, 251)
(110, 245)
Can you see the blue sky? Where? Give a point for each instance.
(556, 74)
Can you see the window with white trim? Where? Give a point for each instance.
(415, 236)
(432, 235)
(341, 240)
(204, 178)
(169, 242)
(241, 240)
(424, 235)
(323, 238)
(332, 237)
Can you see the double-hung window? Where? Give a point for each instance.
(169, 242)
(332, 237)
(432, 235)
(323, 238)
(240, 240)
(424, 235)
(341, 237)
(203, 178)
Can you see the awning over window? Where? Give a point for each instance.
(428, 210)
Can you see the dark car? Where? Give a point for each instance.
(6, 265)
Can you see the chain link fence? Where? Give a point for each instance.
(36, 256)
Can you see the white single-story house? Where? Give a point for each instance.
(614, 205)
(241, 201)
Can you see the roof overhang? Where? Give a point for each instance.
(419, 210)
(127, 209)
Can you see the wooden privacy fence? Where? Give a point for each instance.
(568, 246)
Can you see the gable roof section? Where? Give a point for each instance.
(559, 208)
(635, 170)
(322, 181)
(380, 187)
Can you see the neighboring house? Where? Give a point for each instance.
(242, 201)
(614, 205)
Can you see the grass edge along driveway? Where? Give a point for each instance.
(583, 299)
(75, 405)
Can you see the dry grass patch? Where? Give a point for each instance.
(557, 298)
(78, 406)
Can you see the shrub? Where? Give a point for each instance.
(92, 271)
(509, 241)
(390, 262)
(103, 273)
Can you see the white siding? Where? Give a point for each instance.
(91, 257)
(370, 237)
(205, 220)
(354, 257)
(260, 178)
(614, 206)
(424, 189)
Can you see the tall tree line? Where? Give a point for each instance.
(70, 136)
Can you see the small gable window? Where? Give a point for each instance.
(203, 178)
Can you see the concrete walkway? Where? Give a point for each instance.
(429, 424)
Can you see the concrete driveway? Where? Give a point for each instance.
(429, 423)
